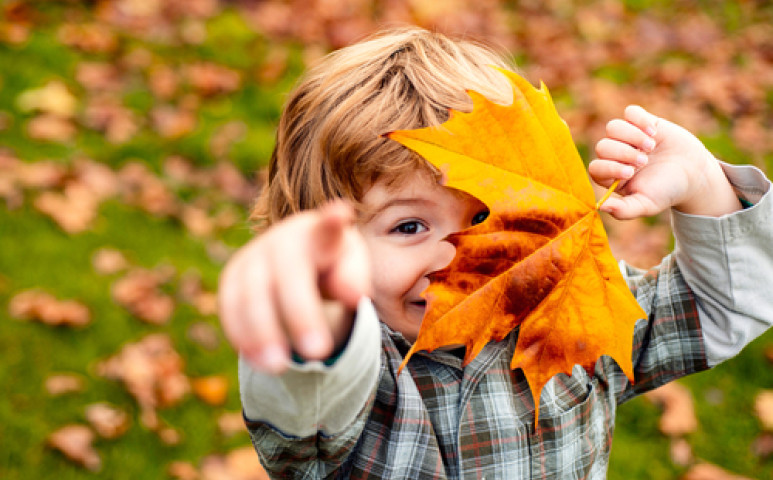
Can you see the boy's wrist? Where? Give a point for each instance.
(714, 196)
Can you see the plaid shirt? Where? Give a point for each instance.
(446, 421)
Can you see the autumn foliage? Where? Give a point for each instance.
(540, 261)
(132, 133)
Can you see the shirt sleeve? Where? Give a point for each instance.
(305, 421)
(704, 302)
(725, 261)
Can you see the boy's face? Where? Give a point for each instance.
(404, 227)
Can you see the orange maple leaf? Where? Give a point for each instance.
(541, 259)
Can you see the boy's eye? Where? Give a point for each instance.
(410, 228)
(479, 217)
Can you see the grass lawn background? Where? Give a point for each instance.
(44, 42)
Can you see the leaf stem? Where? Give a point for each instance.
(608, 194)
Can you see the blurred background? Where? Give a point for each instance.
(133, 134)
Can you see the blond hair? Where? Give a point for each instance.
(329, 142)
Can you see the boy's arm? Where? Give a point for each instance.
(726, 261)
(312, 397)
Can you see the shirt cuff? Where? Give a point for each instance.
(313, 397)
(723, 259)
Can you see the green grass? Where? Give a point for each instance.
(35, 253)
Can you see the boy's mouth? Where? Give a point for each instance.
(419, 303)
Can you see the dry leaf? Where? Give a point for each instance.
(231, 423)
(707, 471)
(182, 471)
(213, 389)
(197, 221)
(171, 122)
(204, 334)
(163, 81)
(99, 76)
(239, 464)
(108, 421)
(152, 372)
(681, 452)
(40, 175)
(107, 261)
(74, 441)
(44, 307)
(74, 210)
(763, 408)
(222, 139)
(61, 384)
(143, 189)
(191, 290)
(53, 98)
(97, 178)
(540, 261)
(139, 292)
(106, 114)
(51, 128)
(763, 445)
(210, 79)
(169, 436)
(92, 38)
(678, 410)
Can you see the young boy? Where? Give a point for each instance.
(326, 301)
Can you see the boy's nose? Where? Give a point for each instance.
(442, 255)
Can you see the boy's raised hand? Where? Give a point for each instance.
(659, 165)
(296, 287)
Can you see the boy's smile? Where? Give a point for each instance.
(405, 226)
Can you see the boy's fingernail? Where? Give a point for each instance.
(650, 130)
(627, 171)
(312, 345)
(272, 358)
(641, 159)
(648, 145)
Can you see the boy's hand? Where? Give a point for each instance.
(659, 165)
(296, 286)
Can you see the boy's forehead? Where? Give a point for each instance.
(420, 186)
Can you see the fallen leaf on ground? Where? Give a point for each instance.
(182, 471)
(152, 372)
(51, 128)
(171, 122)
(763, 408)
(140, 187)
(104, 113)
(44, 174)
(74, 441)
(139, 292)
(231, 423)
(108, 421)
(169, 435)
(53, 98)
(204, 335)
(211, 79)
(74, 209)
(63, 383)
(239, 464)
(707, 471)
(540, 261)
(678, 416)
(107, 261)
(89, 37)
(192, 291)
(763, 445)
(44, 307)
(681, 452)
(213, 389)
